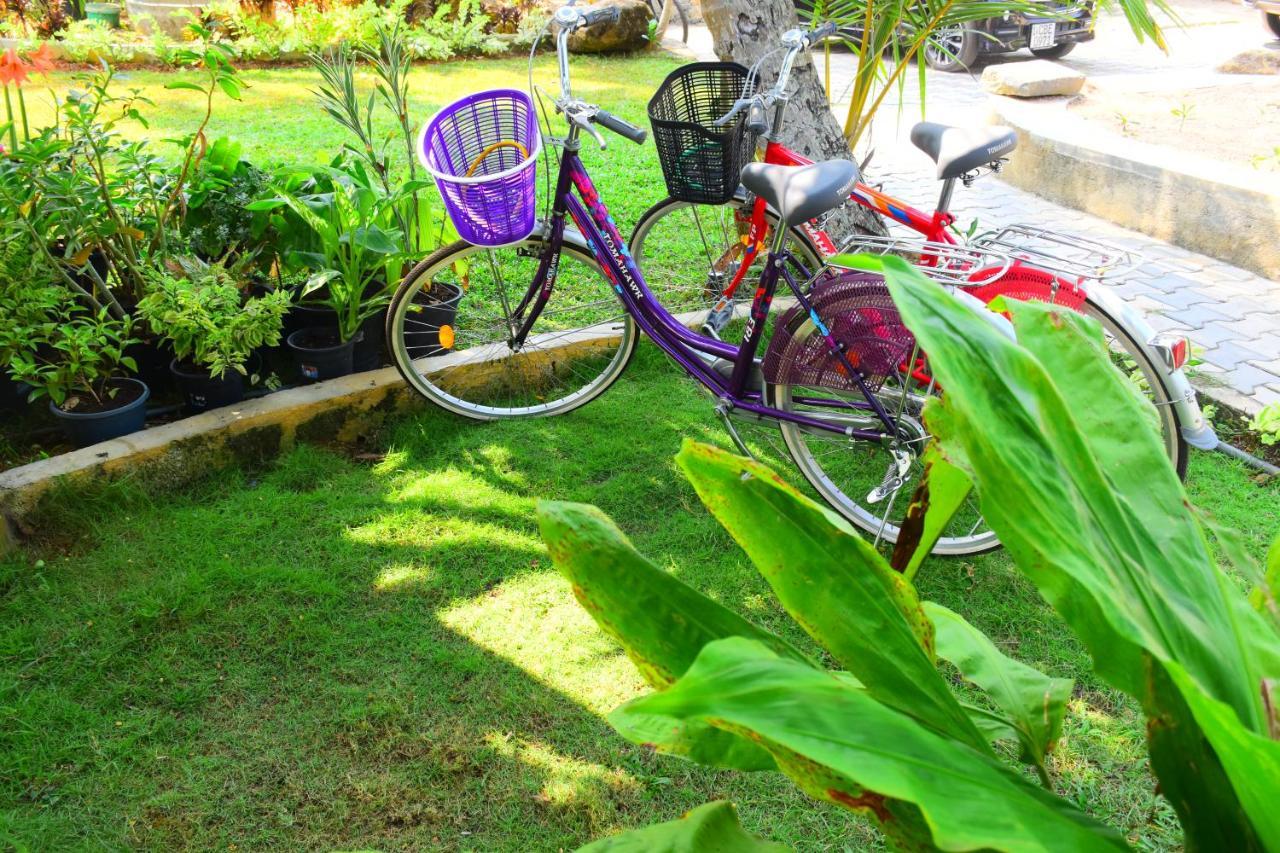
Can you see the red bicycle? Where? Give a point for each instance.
(706, 251)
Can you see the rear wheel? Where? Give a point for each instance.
(464, 358)
(1272, 21)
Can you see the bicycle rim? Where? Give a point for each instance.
(466, 362)
(864, 480)
(689, 253)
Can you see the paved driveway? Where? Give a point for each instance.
(1230, 312)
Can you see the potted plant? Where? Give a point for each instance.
(77, 360)
(213, 328)
(354, 263)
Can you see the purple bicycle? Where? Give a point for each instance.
(524, 326)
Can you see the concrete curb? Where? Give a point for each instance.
(339, 409)
(1217, 209)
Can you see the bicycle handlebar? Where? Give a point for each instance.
(620, 126)
(795, 40)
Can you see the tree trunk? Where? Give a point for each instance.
(744, 31)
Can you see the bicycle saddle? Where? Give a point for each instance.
(799, 194)
(957, 150)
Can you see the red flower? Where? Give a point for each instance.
(12, 69)
(42, 60)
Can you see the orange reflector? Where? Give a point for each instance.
(446, 337)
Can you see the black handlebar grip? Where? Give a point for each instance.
(757, 121)
(606, 15)
(622, 127)
(818, 34)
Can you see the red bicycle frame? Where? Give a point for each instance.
(934, 227)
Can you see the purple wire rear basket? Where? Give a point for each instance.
(493, 136)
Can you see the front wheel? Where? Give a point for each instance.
(452, 324)
(953, 48)
(689, 253)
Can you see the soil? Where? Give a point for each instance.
(86, 405)
(1238, 123)
(318, 339)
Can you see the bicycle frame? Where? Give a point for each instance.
(685, 347)
(934, 228)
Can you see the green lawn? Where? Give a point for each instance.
(337, 653)
(277, 122)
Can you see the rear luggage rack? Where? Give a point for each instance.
(952, 264)
(1065, 254)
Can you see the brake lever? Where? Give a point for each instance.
(738, 106)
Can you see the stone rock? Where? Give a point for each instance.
(1035, 79)
(631, 32)
(1257, 60)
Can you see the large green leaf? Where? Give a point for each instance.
(1033, 702)
(941, 493)
(710, 828)
(966, 799)
(659, 621)
(834, 584)
(1083, 497)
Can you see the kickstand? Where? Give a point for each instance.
(723, 411)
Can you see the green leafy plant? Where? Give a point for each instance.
(1182, 112)
(1079, 489)
(75, 357)
(356, 249)
(216, 225)
(1266, 424)
(207, 319)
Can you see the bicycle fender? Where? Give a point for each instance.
(1196, 429)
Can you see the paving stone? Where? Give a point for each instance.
(1196, 316)
(1245, 377)
(1221, 270)
(1228, 354)
(1257, 325)
(1213, 334)
(1186, 295)
(1267, 395)
(1161, 323)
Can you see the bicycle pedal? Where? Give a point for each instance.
(719, 317)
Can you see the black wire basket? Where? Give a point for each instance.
(701, 163)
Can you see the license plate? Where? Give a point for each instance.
(1042, 35)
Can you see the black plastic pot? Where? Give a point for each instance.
(202, 391)
(13, 396)
(320, 354)
(370, 343)
(128, 414)
(152, 358)
(439, 308)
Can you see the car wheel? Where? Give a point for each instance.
(1057, 51)
(1273, 23)
(951, 48)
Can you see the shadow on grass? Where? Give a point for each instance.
(337, 654)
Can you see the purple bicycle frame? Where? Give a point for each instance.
(680, 343)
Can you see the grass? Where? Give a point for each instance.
(278, 122)
(337, 653)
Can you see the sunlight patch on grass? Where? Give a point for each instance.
(521, 619)
(394, 577)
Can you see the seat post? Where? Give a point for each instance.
(944, 200)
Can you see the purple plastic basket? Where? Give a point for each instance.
(496, 205)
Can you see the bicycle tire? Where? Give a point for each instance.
(523, 373)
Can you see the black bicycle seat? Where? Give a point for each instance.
(801, 193)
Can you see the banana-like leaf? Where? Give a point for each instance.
(1263, 596)
(659, 621)
(941, 493)
(710, 828)
(1033, 702)
(965, 799)
(1083, 497)
(834, 584)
